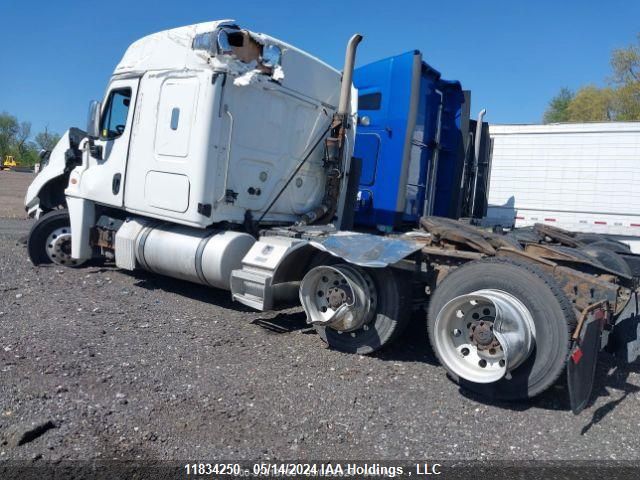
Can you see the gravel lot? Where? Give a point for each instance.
(13, 186)
(129, 365)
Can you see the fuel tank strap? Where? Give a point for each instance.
(198, 258)
(141, 242)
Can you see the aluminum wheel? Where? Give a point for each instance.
(483, 335)
(341, 297)
(58, 247)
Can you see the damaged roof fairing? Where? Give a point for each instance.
(168, 49)
(172, 50)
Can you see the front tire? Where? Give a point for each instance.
(49, 240)
(551, 312)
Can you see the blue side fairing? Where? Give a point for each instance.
(451, 151)
(396, 163)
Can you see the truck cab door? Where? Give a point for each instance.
(371, 134)
(103, 180)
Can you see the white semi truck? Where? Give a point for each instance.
(225, 157)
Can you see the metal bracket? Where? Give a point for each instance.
(230, 196)
(204, 209)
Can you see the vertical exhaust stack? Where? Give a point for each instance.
(347, 74)
(476, 159)
(334, 144)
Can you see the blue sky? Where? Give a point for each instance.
(55, 56)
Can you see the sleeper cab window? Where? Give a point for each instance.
(370, 101)
(114, 115)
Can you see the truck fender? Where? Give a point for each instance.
(82, 216)
(46, 191)
(276, 263)
(367, 250)
(364, 250)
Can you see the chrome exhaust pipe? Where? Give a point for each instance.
(476, 159)
(347, 74)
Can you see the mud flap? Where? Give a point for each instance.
(581, 367)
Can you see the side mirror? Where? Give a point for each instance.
(93, 119)
(44, 154)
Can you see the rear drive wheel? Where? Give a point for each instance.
(501, 328)
(354, 309)
(50, 240)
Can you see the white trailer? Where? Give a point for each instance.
(581, 177)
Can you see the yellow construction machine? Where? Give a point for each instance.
(8, 163)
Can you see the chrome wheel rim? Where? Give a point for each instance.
(58, 247)
(341, 297)
(484, 335)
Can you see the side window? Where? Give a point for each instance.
(369, 101)
(114, 116)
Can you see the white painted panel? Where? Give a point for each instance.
(168, 191)
(198, 166)
(96, 182)
(272, 131)
(581, 177)
(178, 97)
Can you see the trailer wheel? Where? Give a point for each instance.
(50, 240)
(375, 302)
(528, 349)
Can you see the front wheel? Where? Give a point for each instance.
(50, 240)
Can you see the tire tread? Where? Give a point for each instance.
(564, 304)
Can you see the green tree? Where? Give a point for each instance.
(625, 63)
(591, 104)
(15, 140)
(558, 107)
(47, 140)
(30, 156)
(21, 139)
(626, 102)
(9, 128)
(620, 101)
